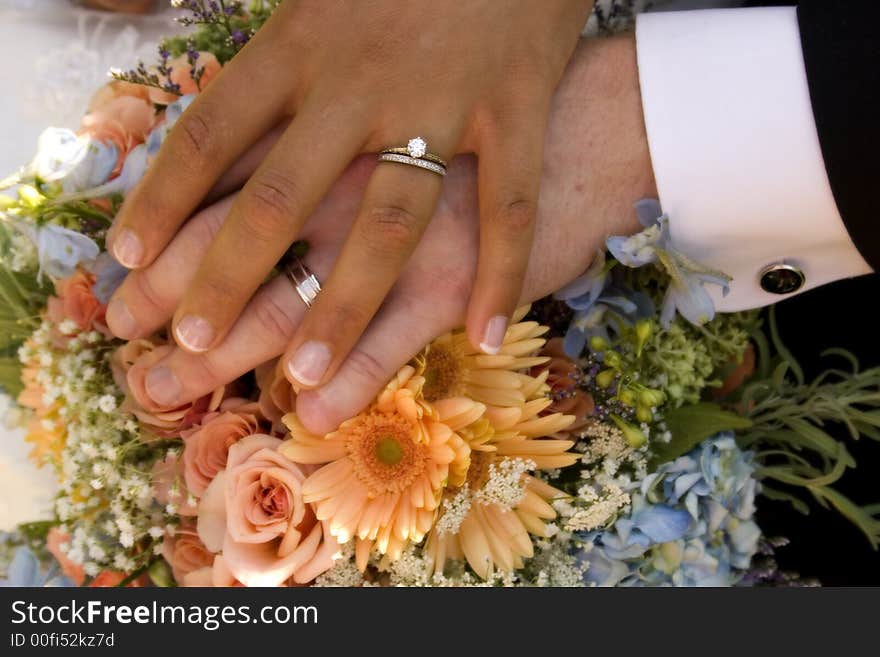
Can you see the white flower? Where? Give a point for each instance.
(107, 403)
(505, 483)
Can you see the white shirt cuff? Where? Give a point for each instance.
(735, 151)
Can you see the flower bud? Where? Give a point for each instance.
(611, 359)
(598, 343)
(644, 413)
(644, 329)
(651, 398)
(627, 397)
(30, 197)
(635, 438)
(605, 378)
(160, 573)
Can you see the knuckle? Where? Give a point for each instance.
(345, 318)
(195, 137)
(269, 204)
(516, 218)
(217, 291)
(390, 228)
(202, 375)
(362, 366)
(206, 226)
(276, 319)
(147, 293)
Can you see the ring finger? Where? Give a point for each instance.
(399, 201)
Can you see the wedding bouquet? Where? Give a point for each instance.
(621, 436)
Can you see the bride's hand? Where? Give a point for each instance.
(587, 193)
(357, 77)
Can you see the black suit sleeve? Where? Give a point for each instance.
(841, 45)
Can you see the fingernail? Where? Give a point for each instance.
(162, 385)
(127, 249)
(194, 333)
(309, 363)
(493, 337)
(120, 320)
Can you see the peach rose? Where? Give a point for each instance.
(117, 89)
(133, 362)
(76, 301)
(185, 552)
(180, 75)
(119, 118)
(563, 376)
(215, 574)
(277, 396)
(206, 445)
(254, 513)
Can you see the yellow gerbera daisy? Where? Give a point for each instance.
(385, 470)
(453, 368)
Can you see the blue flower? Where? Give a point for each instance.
(109, 275)
(136, 161)
(653, 245)
(76, 162)
(691, 524)
(60, 250)
(25, 570)
(600, 301)
(172, 114)
(584, 291)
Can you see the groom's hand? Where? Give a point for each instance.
(596, 165)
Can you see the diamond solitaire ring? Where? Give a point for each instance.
(415, 154)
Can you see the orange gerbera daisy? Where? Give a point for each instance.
(385, 469)
(453, 368)
(493, 513)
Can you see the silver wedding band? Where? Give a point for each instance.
(304, 280)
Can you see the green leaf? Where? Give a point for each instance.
(861, 517)
(691, 425)
(783, 496)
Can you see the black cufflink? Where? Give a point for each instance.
(782, 279)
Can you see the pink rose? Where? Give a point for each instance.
(207, 444)
(277, 396)
(185, 552)
(180, 75)
(76, 301)
(165, 421)
(254, 513)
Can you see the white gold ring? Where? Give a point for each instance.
(413, 161)
(304, 280)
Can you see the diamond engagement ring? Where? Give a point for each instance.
(304, 280)
(415, 154)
